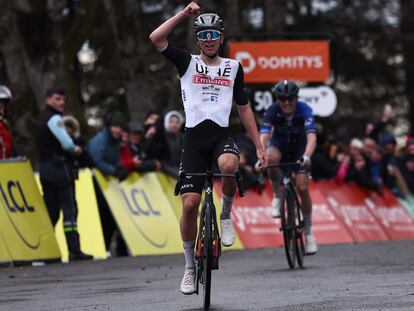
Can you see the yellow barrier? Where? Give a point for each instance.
(143, 214)
(24, 222)
(89, 221)
(5, 256)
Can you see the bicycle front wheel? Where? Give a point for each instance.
(207, 257)
(299, 227)
(289, 228)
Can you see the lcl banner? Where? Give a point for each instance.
(271, 61)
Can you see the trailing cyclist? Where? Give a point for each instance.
(288, 132)
(209, 84)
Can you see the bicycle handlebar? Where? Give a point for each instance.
(285, 164)
(237, 175)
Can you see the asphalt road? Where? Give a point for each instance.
(370, 276)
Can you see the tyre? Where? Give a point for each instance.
(289, 229)
(207, 257)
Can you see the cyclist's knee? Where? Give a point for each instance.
(228, 165)
(190, 205)
(273, 155)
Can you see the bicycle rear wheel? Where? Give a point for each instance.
(289, 229)
(207, 257)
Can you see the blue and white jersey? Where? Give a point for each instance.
(289, 131)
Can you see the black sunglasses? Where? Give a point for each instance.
(286, 98)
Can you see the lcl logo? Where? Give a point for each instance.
(135, 207)
(139, 205)
(12, 191)
(13, 194)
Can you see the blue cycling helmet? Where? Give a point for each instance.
(286, 88)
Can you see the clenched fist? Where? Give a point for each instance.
(191, 9)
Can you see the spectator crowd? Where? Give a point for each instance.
(373, 159)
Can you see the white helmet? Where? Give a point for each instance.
(5, 93)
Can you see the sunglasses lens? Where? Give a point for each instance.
(203, 35)
(284, 98)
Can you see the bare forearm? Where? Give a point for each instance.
(249, 123)
(264, 139)
(159, 36)
(310, 145)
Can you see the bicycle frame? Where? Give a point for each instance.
(208, 246)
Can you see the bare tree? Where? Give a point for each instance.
(40, 40)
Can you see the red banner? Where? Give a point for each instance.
(351, 208)
(253, 221)
(388, 211)
(327, 227)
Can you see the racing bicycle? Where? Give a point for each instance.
(291, 216)
(208, 245)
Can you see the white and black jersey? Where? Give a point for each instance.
(207, 93)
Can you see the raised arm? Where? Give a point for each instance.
(159, 36)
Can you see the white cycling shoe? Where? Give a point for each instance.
(275, 208)
(227, 232)
(188, 283)
(311, 246)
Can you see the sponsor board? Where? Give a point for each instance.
(350, 207)
(253, 221)
(271, 61)
(327, 227)
(143, 214)
(321, 99)
(24, 221)
(88, 220)
(5, 256)
(408, 204)
(395, 220)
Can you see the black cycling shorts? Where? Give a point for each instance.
(204, 143)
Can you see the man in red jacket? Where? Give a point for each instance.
(5, 131)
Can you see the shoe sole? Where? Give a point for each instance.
(188, 294)
(310, 254)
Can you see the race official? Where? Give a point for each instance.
(56, 148)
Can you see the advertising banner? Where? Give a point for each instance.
(396, 221)
(271, 61)
(408, 204)
(253, 221)
(327, 227)
(143, 214)
(89, 221)
(5, 256)
(24, 222)
(351, 208)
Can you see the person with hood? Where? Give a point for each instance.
(173, 122)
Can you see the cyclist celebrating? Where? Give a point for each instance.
(209, 84)
(293, 137)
